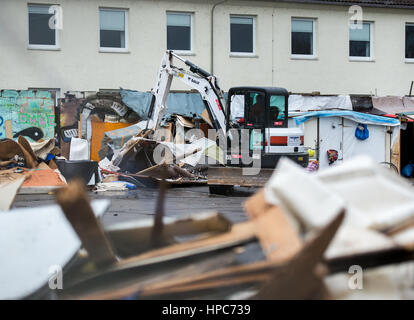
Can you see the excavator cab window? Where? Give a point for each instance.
(255, 104)
(276, 113)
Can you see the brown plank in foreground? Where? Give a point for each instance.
(239, 233)
(75, 204)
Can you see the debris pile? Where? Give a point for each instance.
(33, 164)
(114, 129)
(311, 228)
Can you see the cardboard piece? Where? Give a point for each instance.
(10, 148)
(43, 176)
(9, 191)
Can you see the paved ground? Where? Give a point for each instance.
(140, 203)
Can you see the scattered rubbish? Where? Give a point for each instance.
(310, 226)
(320, 211)
(113, 186)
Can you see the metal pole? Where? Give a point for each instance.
(212, 36)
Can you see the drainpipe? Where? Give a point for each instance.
(212, 36)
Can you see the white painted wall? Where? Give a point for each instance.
(79, 65)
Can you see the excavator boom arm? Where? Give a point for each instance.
(197, 79)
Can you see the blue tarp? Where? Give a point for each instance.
(351, 115)
(140, 102)
(184, 104)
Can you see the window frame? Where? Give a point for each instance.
(181, 52)
(408, 60)
(243, 54)
(371, 44)
(312, 56)
(113, 49)
(54, 47)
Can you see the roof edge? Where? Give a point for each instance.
(349, 3)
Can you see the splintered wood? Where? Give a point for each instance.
(288, 260)
(75, 205)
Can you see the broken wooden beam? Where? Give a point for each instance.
(75, 205)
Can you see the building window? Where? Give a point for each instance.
(41, 35)
(409, 41)
(303, 37)
(113, 30)
(179, 27)
(242, 35)
(360, 43)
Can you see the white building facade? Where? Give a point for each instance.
(304, 46)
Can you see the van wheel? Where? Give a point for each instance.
(221, 190)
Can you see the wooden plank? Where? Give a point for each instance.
(205, 116)
(133, 284)
(9, 129)
(130, 145)
(303, 269)
(279, 240)
(8, 192)
(185, 122)
(129, 238)
(240, 233)
(396, 152)
(198, 288)
(256, 205)
(75, 205)
(296, 279)
(234, 272)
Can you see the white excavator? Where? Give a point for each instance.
(252, 126)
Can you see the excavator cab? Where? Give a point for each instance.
(261, 114)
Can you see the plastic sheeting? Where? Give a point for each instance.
(35, 240)
(299, 103)
(184, 104)
(351, 115)
(138, 101)
(308, 103)
(200, 147)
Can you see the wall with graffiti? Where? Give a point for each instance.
(27, 113)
